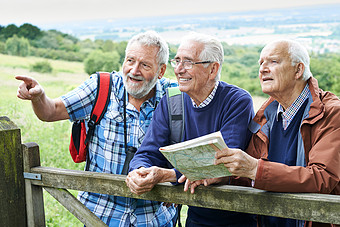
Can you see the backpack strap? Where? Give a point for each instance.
(176, 114)
(175, 100)
(102, 100)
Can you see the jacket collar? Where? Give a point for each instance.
(315, 113)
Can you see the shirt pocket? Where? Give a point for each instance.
(114, 127)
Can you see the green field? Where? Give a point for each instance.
(52, 138)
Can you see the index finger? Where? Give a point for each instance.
(24, 78)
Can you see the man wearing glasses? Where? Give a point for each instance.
(210, 105)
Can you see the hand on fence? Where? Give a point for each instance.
(144, 179)
(194, 184)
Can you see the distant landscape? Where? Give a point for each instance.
(100, 44)
(316, 26)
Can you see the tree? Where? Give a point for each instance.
(47, 41)
(10, 31)
(108, 46)
(29, 31)
(326, 68)
(100, 61)
(17, 46)
(2, 47)
(120, 48)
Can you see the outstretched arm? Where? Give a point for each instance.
(45, 108)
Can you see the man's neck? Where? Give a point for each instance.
(204, 93)
(288, 99)
(137, 103)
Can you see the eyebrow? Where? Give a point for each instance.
(185, 58)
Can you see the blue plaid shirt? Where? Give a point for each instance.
(107, 152)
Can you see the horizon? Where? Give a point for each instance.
(39, 12)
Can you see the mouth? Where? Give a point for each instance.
(184, 79)
(264, 79)
(135, 78)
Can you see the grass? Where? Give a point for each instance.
(52, 138)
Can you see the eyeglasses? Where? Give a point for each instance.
(187, 64)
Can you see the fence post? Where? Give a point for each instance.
(34, 194)
(12, 187)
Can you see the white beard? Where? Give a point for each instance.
(139, 91)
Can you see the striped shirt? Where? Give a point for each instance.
(288, 115)
(107, 152)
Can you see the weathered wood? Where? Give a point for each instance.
(12, 187)
(34, 194)
(73, 205)
(304, 206)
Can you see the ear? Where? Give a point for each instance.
(214, 69)
(300, 68)
(162, 71)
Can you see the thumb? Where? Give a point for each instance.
(142, 171)
(36, 90)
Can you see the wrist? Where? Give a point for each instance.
(254, 171)
(168, 175)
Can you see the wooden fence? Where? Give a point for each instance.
(22, 181)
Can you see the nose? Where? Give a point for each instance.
(263, 68)
(179, 68)
(134, 69)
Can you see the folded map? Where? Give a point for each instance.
(195, 158)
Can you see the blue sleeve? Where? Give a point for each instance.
(157, 135)
(236, 118)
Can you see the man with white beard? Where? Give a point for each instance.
(141, 84)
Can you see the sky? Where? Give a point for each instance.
(42, 12)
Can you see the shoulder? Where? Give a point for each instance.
(166, 82)
(233, 92)
(331, 105)
(161, 86)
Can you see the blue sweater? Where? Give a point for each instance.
(230, 112)
(282, 149)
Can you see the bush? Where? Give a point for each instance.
(41, 67)
(2, 48)
(17, 46)
(100, 61)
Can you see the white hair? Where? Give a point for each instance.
(152, 38)
(298, 54)
(212, 51)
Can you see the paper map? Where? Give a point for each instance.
(195, 158)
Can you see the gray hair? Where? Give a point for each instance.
(298, 54)
(212, 51)
(152, 38)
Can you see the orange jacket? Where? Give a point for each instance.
(318, 147)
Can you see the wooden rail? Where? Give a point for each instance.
(303, 206)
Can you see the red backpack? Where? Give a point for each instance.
(79, 138)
